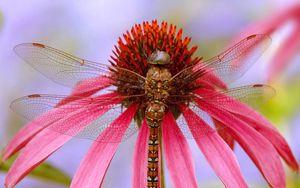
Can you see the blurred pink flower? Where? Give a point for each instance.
(290, 45)
(195, 89)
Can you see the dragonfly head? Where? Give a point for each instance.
(159, 58)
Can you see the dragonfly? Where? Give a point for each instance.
(155, 93)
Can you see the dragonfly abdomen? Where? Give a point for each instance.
(155, 112)
(153, 158)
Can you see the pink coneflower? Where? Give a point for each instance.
(162, 92)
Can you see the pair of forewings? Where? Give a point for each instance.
(67, 70)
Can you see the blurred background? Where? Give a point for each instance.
(89, 29)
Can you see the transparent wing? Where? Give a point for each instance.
(88, 117)
(232, 63)
(183, 126)
(251, 94)
(32, 106)
(99, 125)
(79, 117)
(62, 67)
(92, 124)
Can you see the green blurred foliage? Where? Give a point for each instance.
(293, 180)
(284, 104)
(44, 171)
(211, 48)
(1, 20)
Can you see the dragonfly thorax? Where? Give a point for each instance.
(157, 89)
(157, 84)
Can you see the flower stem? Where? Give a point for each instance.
(162, 174)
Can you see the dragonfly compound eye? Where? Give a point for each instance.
(159, 58)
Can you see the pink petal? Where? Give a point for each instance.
(255, 145)
(272, 23)
(291, 44)
(38, 124)
(46, 142)
(94, 166)
(140, 157)
(284, 54)
(276, 139)
(216, 151)
(206, 84)
(177, 154)
(232, 105)
(30, 130)
(223, 132)
(210, 77)
(255, 120)
(88, 87)
(37, 150)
